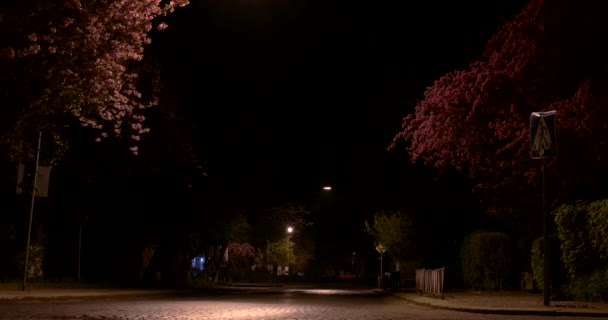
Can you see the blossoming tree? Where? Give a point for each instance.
(77, 60)
(552, 56)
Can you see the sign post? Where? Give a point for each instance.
(543, 145)
(29, 230)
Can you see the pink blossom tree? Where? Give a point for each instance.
(78, 60)
(552, 56)
(240, 253)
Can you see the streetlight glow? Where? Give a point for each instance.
(289, 230)
(327, 188)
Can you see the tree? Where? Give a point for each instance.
(270, 232)
(486, 259)
(219, 234)
(395, 231)
(550, 57)
(241, 257)
(76, 60)
(280, 251)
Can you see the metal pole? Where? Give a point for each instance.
(546, 283)
(288, 254)
(29, 229)
(79, 248)
(381, 274)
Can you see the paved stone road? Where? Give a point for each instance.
(300, 304)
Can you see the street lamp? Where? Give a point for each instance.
(352, 263)
(381, 249)
(289, 231)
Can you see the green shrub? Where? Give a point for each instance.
(597, 223)
(485, 259)
(583, 229)
(577, 252)
(556, 267)
(592, 287)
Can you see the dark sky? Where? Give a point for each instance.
(287, 96)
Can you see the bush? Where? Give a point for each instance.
(583, 231)
(577, 252)
(556, 268)
(485, 259)
(598, 228)
(592, 287)
(34, 263)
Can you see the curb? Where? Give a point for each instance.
(93, 296)
(485, 310)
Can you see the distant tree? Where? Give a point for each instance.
(241, 257)
(218, 235)
(288, 215)
(551, 56)
(240, 253)
(76, 60)
(395, 231)
(271, 232)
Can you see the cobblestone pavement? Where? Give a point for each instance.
(301, 304)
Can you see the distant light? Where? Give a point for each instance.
(289, 230)
(327, 188)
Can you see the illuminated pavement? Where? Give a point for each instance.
(268, 303)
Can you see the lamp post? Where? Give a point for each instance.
(289, 231)
(352, 263)
(381, 249)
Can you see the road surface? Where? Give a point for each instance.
(260, 304)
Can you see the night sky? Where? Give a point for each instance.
(291, 95)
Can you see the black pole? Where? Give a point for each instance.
(546, 284)
(29, 230)
(79, 248)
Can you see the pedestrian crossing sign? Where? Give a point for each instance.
(543, 143)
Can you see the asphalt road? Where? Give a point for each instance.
(285, 303)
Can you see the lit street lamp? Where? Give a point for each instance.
(289, 231)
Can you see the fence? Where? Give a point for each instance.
(430, 281)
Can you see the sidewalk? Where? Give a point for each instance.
(507, 302)
(12, 291)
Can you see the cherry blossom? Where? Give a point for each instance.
(81, 59)
(551, 56)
